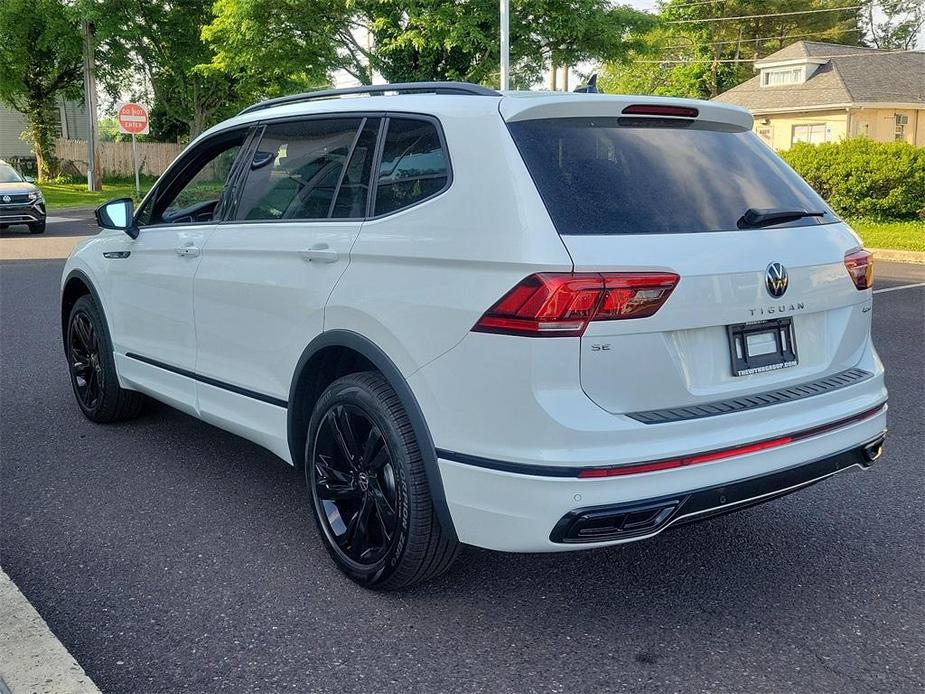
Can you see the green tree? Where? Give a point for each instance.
(40, 61)
(431, 39)
(708, 48)
(899, 22)
(277, 46)
(157, 47)
(289, 42)
(655, 68)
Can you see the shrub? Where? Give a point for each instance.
(863, 178)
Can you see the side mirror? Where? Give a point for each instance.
(118, 214)
(28, 179)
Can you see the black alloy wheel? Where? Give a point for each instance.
(355, 484)
(84, 360)
(370, 491)
(92, 366)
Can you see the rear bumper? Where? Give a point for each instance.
(530, 512)
(648, 518)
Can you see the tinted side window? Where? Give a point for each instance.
(413, 166)
(296, 168)
(354, 187)
(206, 186)
(192, 189)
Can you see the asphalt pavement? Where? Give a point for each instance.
(169, 556)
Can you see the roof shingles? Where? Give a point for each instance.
(852, 75)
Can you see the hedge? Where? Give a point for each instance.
(863, 178)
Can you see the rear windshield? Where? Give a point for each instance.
(657, 176)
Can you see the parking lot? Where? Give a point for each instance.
(170, 556)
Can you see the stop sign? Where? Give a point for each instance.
(133, 119)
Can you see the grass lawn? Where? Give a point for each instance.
(60, 195)
(903, 236)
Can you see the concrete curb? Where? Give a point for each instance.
(894, 256)
(32, 660)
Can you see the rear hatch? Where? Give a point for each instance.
(763, 300)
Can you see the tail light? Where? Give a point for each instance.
(661, 110)
(562, 304)
(860, 266)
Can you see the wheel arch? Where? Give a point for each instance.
(78, 284)
(303, 393)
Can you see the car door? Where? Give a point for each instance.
(151, 277)
(266, 273)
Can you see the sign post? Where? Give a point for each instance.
(505, 45)
(133, 120)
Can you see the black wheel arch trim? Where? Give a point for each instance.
(379, 359)
(88, 283)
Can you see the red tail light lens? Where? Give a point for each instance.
(860, 266)
(661, 110)
(562, 304)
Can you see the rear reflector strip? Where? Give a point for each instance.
(567, 471)
(721, 454)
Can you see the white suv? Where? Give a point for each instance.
(530, 322)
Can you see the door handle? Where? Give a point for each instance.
(319, 253)
(187, 251)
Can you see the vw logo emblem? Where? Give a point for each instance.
(7, 198)
(776, 279)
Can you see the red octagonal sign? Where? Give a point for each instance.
(133, 119)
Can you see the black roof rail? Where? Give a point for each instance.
(460, 88)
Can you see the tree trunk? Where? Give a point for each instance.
(42, 130)
(552, 77)
(197, 124)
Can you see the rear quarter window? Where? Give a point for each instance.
(656, 175)
(413, 166)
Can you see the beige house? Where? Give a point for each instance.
(823, 92)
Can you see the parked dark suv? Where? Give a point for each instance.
(21, 201)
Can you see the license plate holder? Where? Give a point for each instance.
(762, 346)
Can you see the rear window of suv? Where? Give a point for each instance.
(657, 175)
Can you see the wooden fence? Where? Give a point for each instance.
(116, 157)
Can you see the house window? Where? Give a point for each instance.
(902, 120)
(776, 78)
(814, 133)
(766, 133)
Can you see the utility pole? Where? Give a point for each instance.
(505, 44)
(93, 165)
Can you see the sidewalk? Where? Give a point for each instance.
(32, 660)
(892, 256)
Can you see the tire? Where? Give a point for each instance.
(92, 367)
(37, 227)
(361, 453)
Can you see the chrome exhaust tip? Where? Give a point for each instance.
(873, 450)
